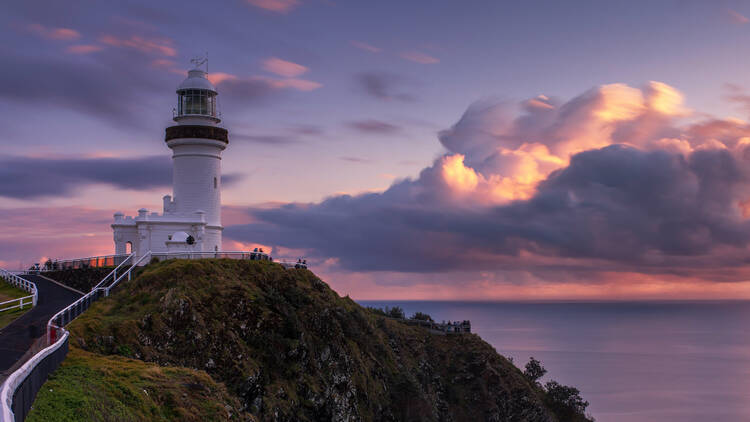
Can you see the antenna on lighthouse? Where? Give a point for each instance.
(199, 61)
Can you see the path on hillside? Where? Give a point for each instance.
(15, 338)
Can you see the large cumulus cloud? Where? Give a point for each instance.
(616, 179)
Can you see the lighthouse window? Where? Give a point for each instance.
(216, 183)
(195, 101)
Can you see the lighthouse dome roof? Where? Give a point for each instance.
(196, 79)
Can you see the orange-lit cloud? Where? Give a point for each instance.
(59, 34)
(607, 195)
(283, 67)
(278, 6)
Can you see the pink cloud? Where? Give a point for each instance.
(278, 6)
(738, 18)
(298, 84)
(158, 45)
(283, 67)
(417, 57)
(168, 65)
(283, 83)
(83, 48)
(365, 46)
(219, 77)
(60, 34)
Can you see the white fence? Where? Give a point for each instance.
(21, 283)
(18, 391)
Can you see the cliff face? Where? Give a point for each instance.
(288, 348)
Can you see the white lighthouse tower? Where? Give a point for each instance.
(191, 218)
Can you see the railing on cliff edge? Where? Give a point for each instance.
(78, 263)
(17, 393)
(21, 283)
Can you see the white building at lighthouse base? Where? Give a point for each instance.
(166, 232)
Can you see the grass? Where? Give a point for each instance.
(8, 292)
(91, 387)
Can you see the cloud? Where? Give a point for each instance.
(606, 183)
(737, 95)
(383, 86)
(253, 90)
(163, 46)
(373, 126)
(308, 130)
(419, 57)
(365, 46)
(83, 48)
(283, 68)
(105, 88)
(277, 6)
(356, 160)
(737, 18)
(266, 139)
(298, 84)
(33, 177)
(29, 177)
(34, 233)
(57, 34)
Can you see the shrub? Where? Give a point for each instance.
(565, 401)
(422, 317)
(395, 312)
(534, 370)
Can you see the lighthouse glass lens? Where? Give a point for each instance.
(195, 101)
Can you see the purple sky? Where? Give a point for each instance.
(482, 141)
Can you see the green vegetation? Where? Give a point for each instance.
(112, 388)
(286, 347)
(8, 292)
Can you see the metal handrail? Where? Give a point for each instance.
(114, 272)
(127, 273)
(60, 264)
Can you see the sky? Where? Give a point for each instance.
(476, 150)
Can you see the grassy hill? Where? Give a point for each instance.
(267, 343)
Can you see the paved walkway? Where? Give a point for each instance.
(16, 337)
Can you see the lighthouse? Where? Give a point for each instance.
(191, 216)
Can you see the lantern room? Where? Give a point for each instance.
(196, 98)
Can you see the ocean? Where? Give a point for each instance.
(633, 361)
